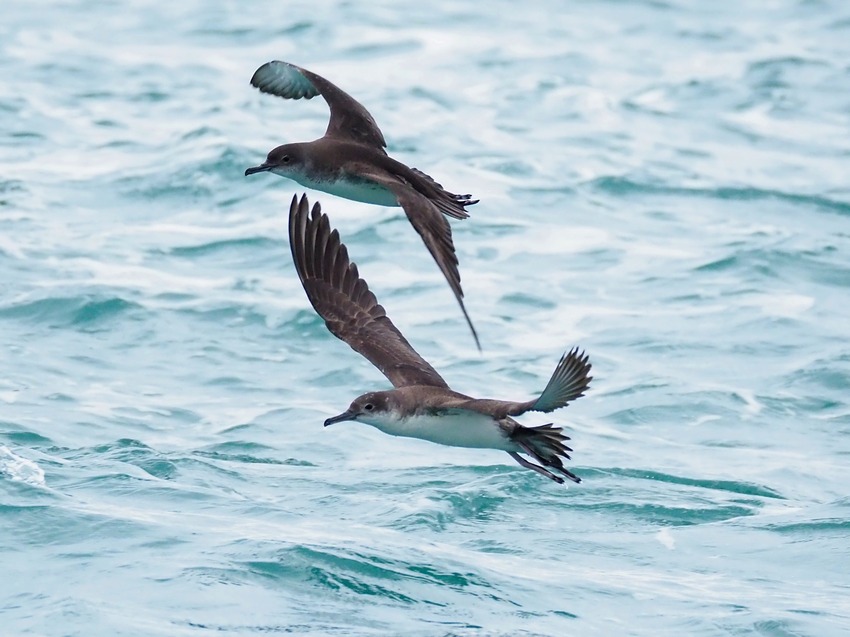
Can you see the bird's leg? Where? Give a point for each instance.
(554, 462)
(530, 465)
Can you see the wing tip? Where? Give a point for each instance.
(318, 252)
(283, 79)
(342, 298)
(568, 382)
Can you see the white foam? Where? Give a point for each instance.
(785, 305)
(18, 469)
(665, 537)
(753, 405)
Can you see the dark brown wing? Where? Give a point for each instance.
(349, 118)
(435, 231)
(344, 301)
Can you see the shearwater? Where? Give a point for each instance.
(350, 161)
(422, 405)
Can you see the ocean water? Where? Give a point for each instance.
(664, 183)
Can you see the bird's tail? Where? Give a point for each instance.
(546, 444)
(447, 202)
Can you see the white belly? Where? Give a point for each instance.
(356, 190)
(460, 429)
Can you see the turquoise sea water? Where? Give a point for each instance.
(666, 184)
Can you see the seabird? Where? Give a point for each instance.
(422, 405)
(350, 162)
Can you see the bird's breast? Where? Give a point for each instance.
(456, 429)
(348, 187)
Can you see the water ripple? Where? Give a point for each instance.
(664, 184)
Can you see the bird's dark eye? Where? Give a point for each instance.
(368, 406)
(286, 159)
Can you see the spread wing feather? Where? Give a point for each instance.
(349, 309)
(349, 118)
(568, 382)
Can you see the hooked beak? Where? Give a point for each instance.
(346, 415)
(257, 169)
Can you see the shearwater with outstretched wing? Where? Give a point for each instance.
(350, 161)
(422, 405)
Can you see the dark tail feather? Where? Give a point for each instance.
(546, 445)
(448, 203)
(453, 206)
(463, 200)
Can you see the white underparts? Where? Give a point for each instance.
(464, 429)
(361, 190)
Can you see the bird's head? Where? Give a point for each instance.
(369, 408)
(283, 160)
